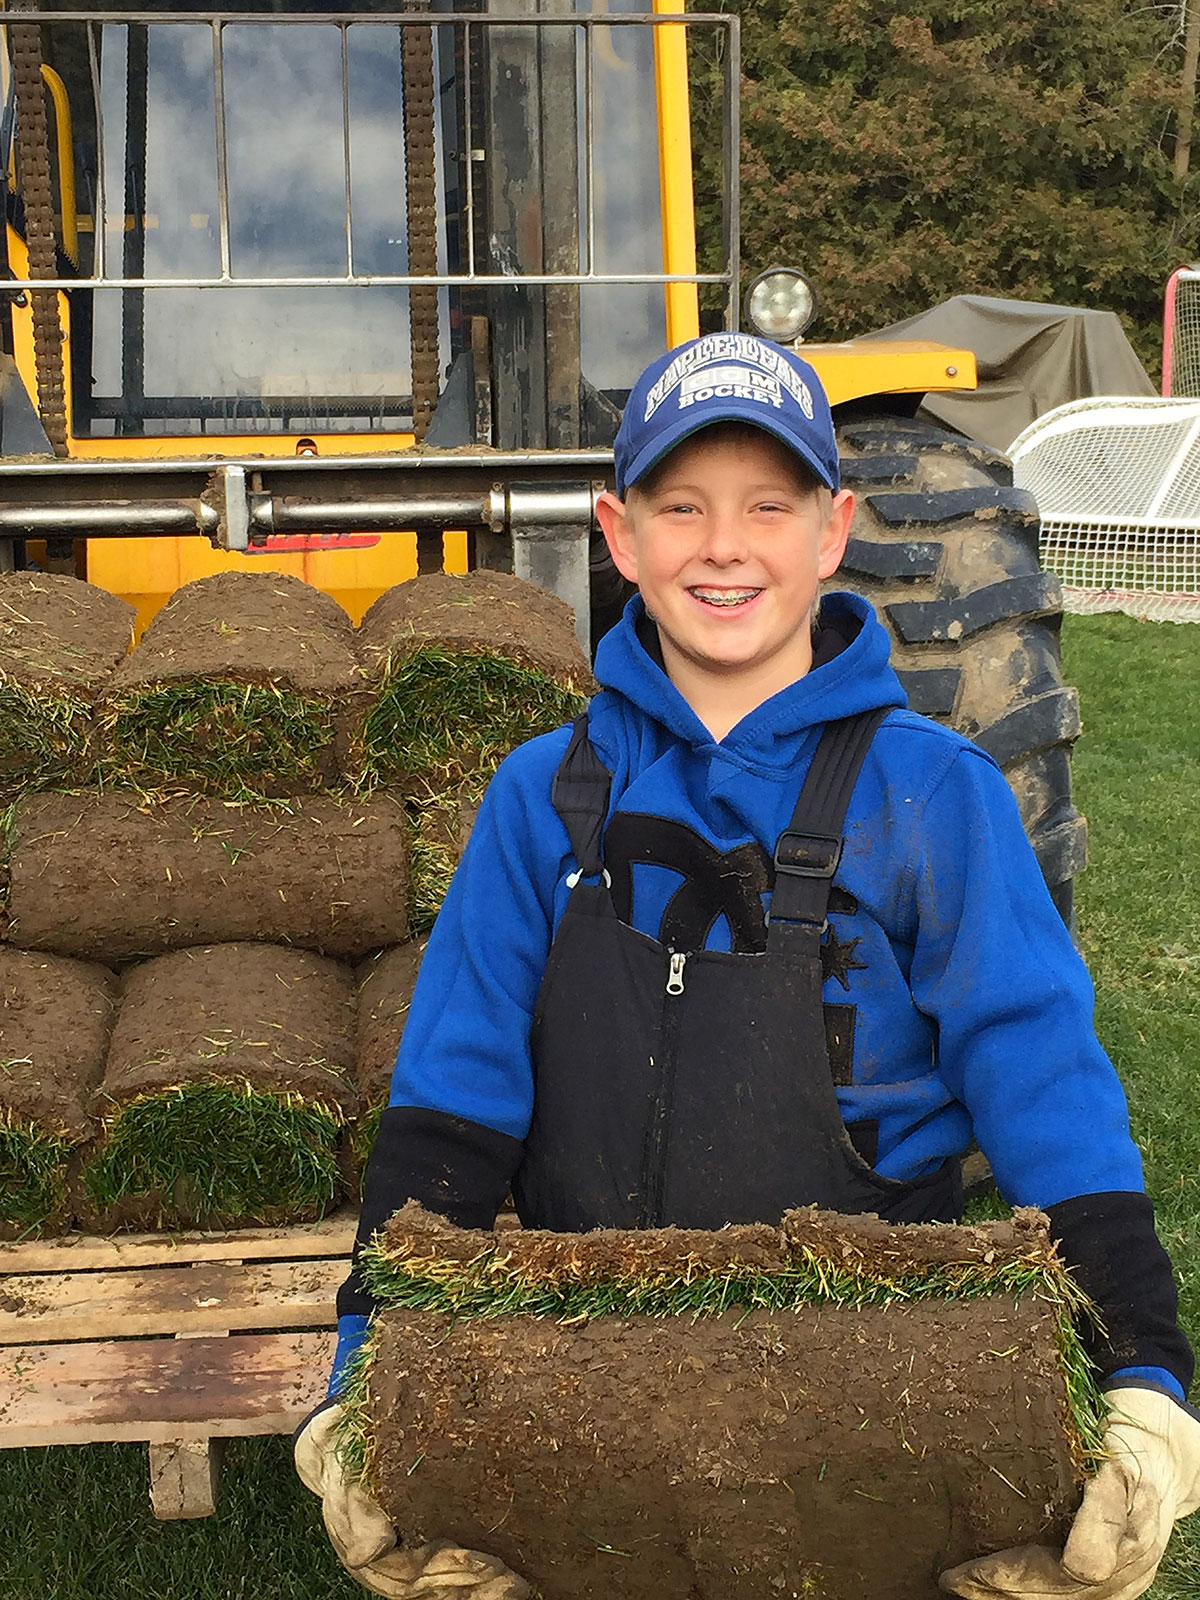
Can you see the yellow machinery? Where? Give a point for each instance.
(296, 282)
(360, 293)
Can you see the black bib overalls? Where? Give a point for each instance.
(693, 1087)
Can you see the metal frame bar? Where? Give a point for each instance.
(468, 163)
(404, 19)
(218, 21)
(588, 184)
(441, 280)
(1168, 361)
(222, 148)
(100, 220)
(345, 33)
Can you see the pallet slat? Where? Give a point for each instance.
(205, 1297)
(87, 1252)
(163, 1391)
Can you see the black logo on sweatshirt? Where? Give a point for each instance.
(716, 883)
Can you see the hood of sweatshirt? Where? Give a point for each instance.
(852, 672)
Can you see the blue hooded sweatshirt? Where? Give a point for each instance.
(972, 1008)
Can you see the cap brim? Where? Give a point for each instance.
(666, 441)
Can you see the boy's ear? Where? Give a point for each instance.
(836, 533)
(614, 523)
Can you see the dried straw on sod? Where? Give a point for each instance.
(462, 670)
(834, 1407)
(226, 1086)
(242, 686)
(385, 989)
(107, 877)
(55, 1017)
(60, 640)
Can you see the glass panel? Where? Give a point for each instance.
(622, 326)
(254, 359)
(286, 357)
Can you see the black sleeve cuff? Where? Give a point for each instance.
(457, 1169)
(1109, 1243)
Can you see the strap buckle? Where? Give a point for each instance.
(808, 855)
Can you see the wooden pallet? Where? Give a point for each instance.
(179, 1340)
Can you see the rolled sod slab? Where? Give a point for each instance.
(461, 671)
(55, 1020)
(60, 641)
(386, 982)
(243, 685)
(840, 1409)
(106, 876)
(227, 1082)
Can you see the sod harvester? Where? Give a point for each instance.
(287, 289)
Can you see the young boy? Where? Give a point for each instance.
(751, 935)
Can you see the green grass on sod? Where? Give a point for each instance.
(83, 1514)
(240, 740)
(219, 1150)
(33, 1175)
(44, 738)
(449, 712)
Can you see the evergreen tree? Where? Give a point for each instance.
(903, 152)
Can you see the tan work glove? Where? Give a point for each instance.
(365, 1540)
(1150, 1478)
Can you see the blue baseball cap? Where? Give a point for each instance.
(726, 377)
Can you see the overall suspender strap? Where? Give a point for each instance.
(809, 849)
(580, 796)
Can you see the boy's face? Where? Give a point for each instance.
(728, 540)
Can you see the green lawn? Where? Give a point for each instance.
(1137, 780)
(77, 1522)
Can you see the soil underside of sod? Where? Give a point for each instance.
(242, 684)
(260, 626)
(60, 640)
(102, 876)
(844, 1447)
(55, 1019)
(385, 990)
(227, 1081)
(481, 611)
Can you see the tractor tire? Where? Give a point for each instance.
(946, 550)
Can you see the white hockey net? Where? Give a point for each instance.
(1183, 332)
(1118, 486)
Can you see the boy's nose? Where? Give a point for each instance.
(723, 540)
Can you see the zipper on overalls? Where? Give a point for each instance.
(654, 1169)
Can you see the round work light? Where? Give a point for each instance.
(780, 304)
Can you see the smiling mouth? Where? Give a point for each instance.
(726, 599)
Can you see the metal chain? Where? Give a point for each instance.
(421, 199)
(33, 155)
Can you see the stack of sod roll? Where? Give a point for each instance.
(215, 852)
(835, 1407)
